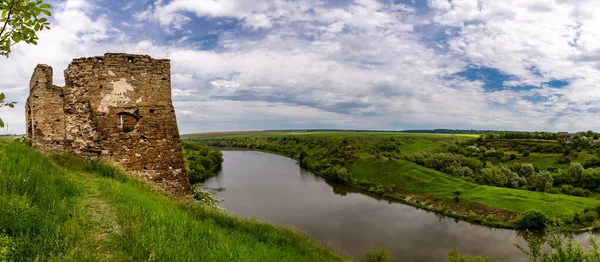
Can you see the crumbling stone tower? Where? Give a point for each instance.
(116, 106)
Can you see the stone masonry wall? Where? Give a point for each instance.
(117, 106)
(45, 123)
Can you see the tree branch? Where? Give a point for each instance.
(7, 35)
(7, 19)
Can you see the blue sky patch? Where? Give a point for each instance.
(492, 78)
(557, 83)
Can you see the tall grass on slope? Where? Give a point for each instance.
(155, 227)
(49, 212)
(37, 206)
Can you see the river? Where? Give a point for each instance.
(274, 188)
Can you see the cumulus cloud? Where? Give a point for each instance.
(353, 64)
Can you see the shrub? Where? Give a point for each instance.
(564, 160)
(532, 219)
(23, 140)
(578, 218)
(453, 256)
(377, 255)
(566, 189)
(205, 197)
(553, 190)
(526, 153)
(589, 216)
(513, 156)
(6, 247)
(578, 192)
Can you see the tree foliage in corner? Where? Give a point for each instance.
(19, 22)
(2, 104)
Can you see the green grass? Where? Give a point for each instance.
(63, 208)
(420, 180)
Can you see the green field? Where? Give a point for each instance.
(416, 179)
(374, 162)
(63, 208)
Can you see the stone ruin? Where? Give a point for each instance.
(116, 107)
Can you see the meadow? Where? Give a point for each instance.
(63, 208)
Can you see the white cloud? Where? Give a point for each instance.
(301, 64)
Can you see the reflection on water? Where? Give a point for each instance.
(275, 188)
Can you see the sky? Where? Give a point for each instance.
(341, 64)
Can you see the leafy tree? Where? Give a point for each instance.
(574, 172)
(19, 22)
(541, 181)
(526, 170)
(3, 104)
(590, 178)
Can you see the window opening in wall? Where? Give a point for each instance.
(127, 122)
(130, 58)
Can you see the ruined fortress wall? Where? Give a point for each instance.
(119, 107)
(45, 123)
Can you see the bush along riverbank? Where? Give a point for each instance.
(202, 162)
(376, 163)
(550, 245)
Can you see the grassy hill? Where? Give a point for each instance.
(420, 180)
(64, 208)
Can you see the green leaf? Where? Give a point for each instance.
(2, 97)
(45, 6)
(1, 123)
(46, 12)
(4, 13)
(42, 20)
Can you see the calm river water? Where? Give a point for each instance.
(274, 188)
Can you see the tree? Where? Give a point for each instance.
(19, 22)
(2, 104)
(541, 181)
(573, 173)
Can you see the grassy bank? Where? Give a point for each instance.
(60, 207)
(374, 162)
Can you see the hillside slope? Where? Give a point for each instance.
(61, 207)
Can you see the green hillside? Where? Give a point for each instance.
(63, 208)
